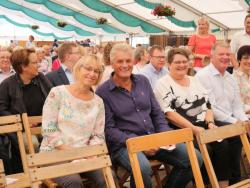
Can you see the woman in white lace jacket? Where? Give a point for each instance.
(73, 116)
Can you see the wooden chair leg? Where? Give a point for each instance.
(157, 176)
(244, 165)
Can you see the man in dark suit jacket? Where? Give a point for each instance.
(68, 54)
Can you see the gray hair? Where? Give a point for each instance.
(220, 44)
(119, 47)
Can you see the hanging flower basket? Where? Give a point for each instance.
(61, 23)
(35, 27)
(161, 10)
(101, 20)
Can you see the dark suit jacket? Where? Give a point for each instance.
(58, 77)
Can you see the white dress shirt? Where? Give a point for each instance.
(68, 73)
(223, 94)
(239, 39)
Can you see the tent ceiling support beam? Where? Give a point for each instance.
(84, 13)
(197, 12)
(132, 14)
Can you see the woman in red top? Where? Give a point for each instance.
(201, 43)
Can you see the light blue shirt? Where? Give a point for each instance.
(68, 73)
(152, 74)
(3, 75)
(223, 94)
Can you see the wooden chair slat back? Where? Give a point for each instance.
(152, 141)
(44, 165)
(35, 119)
(36, 130)
(29, 131)
(212, 135)
(48, 172)
(13, 124)
(10, 119)
(10, 128)
(159, 139)
(44, 158)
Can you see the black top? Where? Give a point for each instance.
(33, 99)
(12, 96)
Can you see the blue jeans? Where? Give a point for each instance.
(75, 180)
(180, 175)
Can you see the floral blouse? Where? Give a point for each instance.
(71, 121)
(244, 84)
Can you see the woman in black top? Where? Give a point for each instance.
(24, 92)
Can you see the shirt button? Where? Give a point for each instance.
(144, 120)
(138, 110)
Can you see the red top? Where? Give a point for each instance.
(202, 45)
(56, 64)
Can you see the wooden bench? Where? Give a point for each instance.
(143, 143)
(223, 132)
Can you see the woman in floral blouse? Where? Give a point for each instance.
(243, 76)
(73, 116)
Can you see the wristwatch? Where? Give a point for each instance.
(208, 122)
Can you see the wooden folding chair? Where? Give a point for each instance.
(122, 174)
(223, 132)
(143, 143)
(13, 124)
(29, 131)
(54, 164)
(2, 175)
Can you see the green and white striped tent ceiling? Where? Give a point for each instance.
(124, 17)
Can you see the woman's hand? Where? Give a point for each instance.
(151, 152)
(212, 125)
(197, 129)
(63, 147)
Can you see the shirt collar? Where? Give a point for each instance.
(245, 33)
(112, 84)
(34, 81)
(154, 70)
(11, 71)
(214, 71)
(65, 68)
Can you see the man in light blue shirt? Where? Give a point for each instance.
(68, 54)
(5, 65)
(225, 99)
(156, 68)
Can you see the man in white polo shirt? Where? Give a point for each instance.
(225, 99)
(239, 39)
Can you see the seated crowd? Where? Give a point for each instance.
(143, 91)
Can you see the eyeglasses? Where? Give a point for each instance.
(91, 69)
(245, 57)
(75, 53)
(180, 62)
(159, 57)
(4, 57)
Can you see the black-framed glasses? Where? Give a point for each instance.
(159, 57)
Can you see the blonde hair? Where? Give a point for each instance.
(203, 18)
(89, 60)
